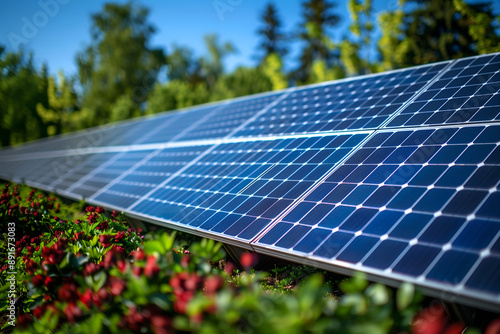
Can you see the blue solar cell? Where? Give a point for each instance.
(358, 249)
(333, 244)
(486, 276)
(416, 260)
(442, 230)
(385, 254)
(452, 267)
(477, 234)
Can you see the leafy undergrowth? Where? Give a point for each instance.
(94, 273)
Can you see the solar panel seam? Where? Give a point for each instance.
(417, 94)
(309, 191)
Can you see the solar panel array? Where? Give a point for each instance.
(394, 174)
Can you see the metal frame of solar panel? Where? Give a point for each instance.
(393, 174)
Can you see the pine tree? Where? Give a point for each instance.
(318, 18)
(434, 31)
(272, 38)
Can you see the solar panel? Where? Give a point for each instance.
(415, 203)
(353, 104)
(467, 92)
(394, 174)
(236, 189)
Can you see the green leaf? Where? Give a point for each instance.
(356, 284)
(99, 280)
(154, 246)
(378, 294)
(405, 295)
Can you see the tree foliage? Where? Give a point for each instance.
(119, 64)
(273, 39)
(22, 87)
(318, 18)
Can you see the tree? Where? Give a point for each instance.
(482, 25)
(119, 62)
(213, 66)
(62, 100)
(272, 38)
(318, 18)
(434, 31)
(352, 50)
(273, 69)
(21, 88)
(243, 81)
(182, 65)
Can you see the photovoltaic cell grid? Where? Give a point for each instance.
(421, 203)
(468, 92)
(144, 175)
(237, 189)
(363, 103)
(393, 174)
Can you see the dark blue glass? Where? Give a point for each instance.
(455, 176)
(485, 177)
(358, 249)
(442, 229)
(475, 154)
(477, 234)
(452, 267)
(339, 193)
(465, 202)
(254, 228)
(293, 236)
(333, 244)
(385, 254)
(359, 194)
(298, 212)
(341, 173)
(381, 196)
(336, 216)
(320, 192)
(410, 226)
(489, 135)
(486, 276)
(312, 240)
(434, 200)
(262, 206)
(406, 198)
(416, 260)
(359, 174)
(275, 233)
(277, 208)
(466, 135)
(316, 214)
(225, 223)
(358, 219)
(383, 222)
(427, 175)
(403, 174)
(381, 173)
(490, 209)
(239, 225)
(448, 154)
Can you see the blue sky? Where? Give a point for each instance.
(65, 30)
